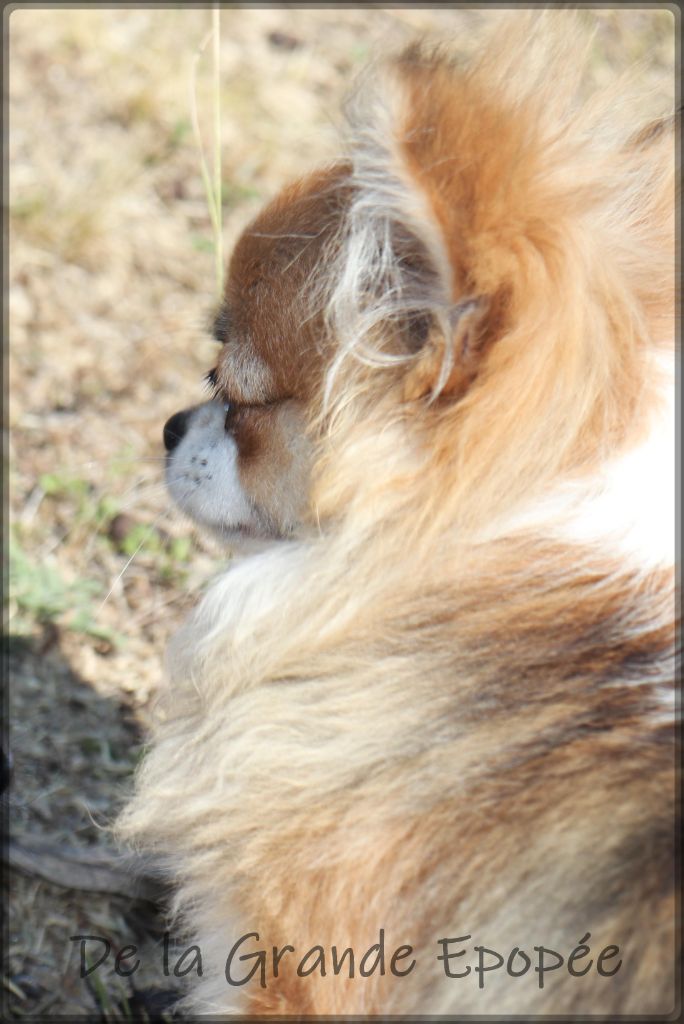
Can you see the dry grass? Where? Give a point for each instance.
(111, 284)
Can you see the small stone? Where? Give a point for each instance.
(120, 527)
(284, 41)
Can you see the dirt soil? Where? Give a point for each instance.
(111, 288)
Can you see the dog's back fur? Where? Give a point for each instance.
(448, 711)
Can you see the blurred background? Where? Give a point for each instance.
(111, 290)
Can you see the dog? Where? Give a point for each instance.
(416, 754)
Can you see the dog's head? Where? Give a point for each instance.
(463, 309)
(240, 463)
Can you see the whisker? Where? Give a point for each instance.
(146, 491)
(145, 537)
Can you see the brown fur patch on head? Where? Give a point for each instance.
(271, 329)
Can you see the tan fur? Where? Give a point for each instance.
(274, 455)
(409, 718)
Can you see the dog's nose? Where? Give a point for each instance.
(175, 429)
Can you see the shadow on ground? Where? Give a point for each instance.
(72, 755)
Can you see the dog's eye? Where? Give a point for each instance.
(221, 325)
(211, 381)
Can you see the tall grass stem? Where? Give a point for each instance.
(212, 188)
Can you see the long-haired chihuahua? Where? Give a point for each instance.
(417, 749)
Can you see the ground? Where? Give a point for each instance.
(111, 286)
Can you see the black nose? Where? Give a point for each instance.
(174, 430)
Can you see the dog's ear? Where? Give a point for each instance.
(497, 229)
(422, 279)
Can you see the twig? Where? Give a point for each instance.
(99, 870)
